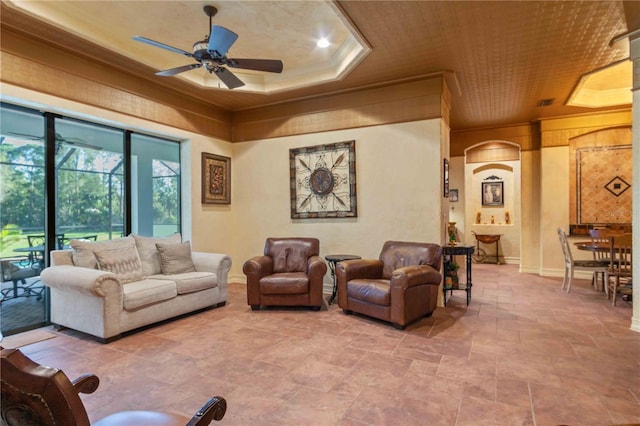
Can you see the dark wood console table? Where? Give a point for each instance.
(448, 251)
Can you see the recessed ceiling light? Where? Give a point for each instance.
(323, 42)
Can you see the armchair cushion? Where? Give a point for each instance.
(372, 290)
(175, 258)
(285, 283)
(290, 255)
(396, 254)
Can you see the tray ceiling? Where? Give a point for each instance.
(503, 57)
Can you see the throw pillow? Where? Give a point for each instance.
(175, 258)
(122, 261)
(149, 253)
(83, 250)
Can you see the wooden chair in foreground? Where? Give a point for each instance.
(33, 394)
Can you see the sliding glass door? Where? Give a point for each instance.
(63, 178)
(22, 220)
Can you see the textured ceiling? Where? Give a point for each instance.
(505, 56)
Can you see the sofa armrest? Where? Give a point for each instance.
(61, 257)
(93, 282)
(413, 275)
(219, 263)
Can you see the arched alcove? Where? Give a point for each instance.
(492, 196)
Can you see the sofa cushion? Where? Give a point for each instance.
(175, 258)
(149, 253)
(191, 281)
(145, 292)
(122, 261)
(83, 250)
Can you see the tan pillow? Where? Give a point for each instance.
(149, 253)
(83, 250)
(122, 261)
(175, 258)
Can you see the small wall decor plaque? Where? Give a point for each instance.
(323, 181)
(216, 179)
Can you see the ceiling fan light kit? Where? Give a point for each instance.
(211, 54)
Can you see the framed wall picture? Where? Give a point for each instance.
(492, 194)
(216, 179)
(453, 195)
(323, 181)
(445, 171)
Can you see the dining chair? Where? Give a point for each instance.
(571, 265)
(620, 269)
(601, 236)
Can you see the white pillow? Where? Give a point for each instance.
(122, 261)
(175, 258)
(83, 250)
(149, 253)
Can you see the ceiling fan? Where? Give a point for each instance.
(211, 53)
(59, 140)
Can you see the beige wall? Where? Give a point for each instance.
(399, 185)
(213, 224)
(398, 191)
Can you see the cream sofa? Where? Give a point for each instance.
(106, 288)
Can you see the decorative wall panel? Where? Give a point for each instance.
(604, 193)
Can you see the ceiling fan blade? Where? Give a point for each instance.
(162, 46)
(269, 65)
(178, 70)
(220, 40)
(27, 136)
(228, 78)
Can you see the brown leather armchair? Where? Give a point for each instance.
(399, 287)
(289, 274)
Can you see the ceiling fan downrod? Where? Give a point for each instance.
(211, 12)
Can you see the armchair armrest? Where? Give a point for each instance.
(87, 383)
(258, 266)
(92, 282)
(214, 409)
(348, 270)
(410, 276)
(316, 266)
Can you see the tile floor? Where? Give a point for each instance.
(523, 353)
